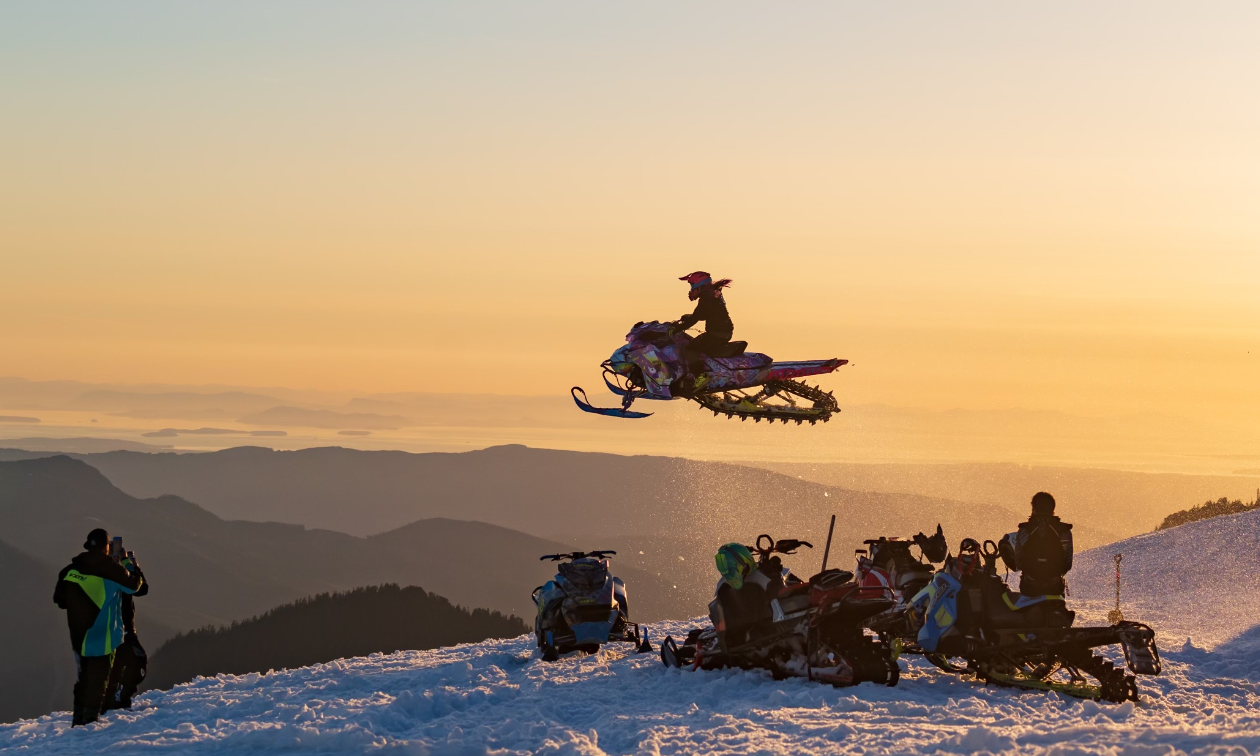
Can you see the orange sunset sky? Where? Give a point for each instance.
(982, 205)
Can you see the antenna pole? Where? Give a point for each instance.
(827, 550)
(1115, 616)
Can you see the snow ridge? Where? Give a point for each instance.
(1199, 581)
(497, 697)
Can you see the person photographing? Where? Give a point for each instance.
(90, 590)
(131, 663)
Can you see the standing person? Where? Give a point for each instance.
(131, 663)
(89, 589)
(1041, 550)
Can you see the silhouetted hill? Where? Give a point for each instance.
(36, 663)
(208, 571)
(549, 493)
(1110, 501)
(326, 627)
(205, 570)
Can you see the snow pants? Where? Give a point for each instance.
(131, 664)
(89, 691)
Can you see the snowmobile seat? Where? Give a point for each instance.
(831, 578)
(743, 361)
(1005, 609)
(727, 350)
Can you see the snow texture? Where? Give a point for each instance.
(1198, 581)
(497, 697)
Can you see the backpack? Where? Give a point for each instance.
(1040, 550)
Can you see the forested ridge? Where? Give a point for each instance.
(325, 627)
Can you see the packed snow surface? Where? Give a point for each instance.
(1192, 582)
(497, 697)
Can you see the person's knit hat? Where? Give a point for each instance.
(96, 539)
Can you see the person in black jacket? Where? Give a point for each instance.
(1041, 550)
(90, 590)
(131, 663)
(711, 308)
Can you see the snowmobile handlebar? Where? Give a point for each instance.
(785, 546)
(600, 554)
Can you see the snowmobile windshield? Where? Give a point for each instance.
(584, 574)
(622, 361)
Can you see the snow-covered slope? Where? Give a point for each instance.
(497, 697)
(1199, 581)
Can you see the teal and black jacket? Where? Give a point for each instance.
(90, 589)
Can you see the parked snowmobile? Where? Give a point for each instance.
(654, 365)
(583, 607)
(812, 627)
(967, 613)
(906, 575)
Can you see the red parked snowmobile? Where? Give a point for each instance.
(811, 628)
(657, 363)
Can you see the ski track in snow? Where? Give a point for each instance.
(497, 697)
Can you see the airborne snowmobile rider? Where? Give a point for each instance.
(718, 328)
(742, 600)
(1041, 550)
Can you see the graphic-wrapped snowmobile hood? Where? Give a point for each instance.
(656, 363)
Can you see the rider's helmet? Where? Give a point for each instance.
(734, 561)
(702, 282)
(698, 281)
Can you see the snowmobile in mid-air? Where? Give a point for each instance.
(809, 628)
(583, 607)
(965, 620)
(655, 364)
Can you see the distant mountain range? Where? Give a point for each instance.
(1112, 501)
(552, 494)
(208, 571)
(36, 662)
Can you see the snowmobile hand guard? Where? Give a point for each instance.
(599, 554)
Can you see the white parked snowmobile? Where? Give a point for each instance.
(583, 607)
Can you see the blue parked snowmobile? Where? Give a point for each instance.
(583, 607)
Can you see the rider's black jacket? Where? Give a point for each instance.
(740, 616)
(1042, 552)
(712, 310)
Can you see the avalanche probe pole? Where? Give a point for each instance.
(827, 550)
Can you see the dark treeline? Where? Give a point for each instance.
(326, 627)
(1209, 509)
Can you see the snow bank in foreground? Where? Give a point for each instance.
(496, 697)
